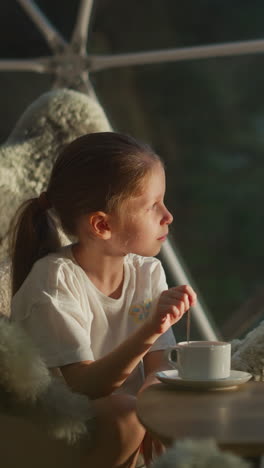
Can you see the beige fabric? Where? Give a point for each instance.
(5, 287)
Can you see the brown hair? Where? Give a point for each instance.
(96, 172)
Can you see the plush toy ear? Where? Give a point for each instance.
(99, 224)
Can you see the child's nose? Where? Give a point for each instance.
(167, 218)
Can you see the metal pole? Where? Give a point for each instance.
(34, 65)
(100, 62)
(81, 27)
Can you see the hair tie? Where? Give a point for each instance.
(44, 202)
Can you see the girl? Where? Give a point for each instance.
(99, 309)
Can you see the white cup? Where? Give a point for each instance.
(201, 360)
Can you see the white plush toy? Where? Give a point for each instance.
(52, 121)
(198, 454)
(248, 354)
(28, 390)
(26, 387)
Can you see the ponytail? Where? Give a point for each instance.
(33, 235)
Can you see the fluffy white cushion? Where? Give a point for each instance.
(52, 121)
(5, 287)
(26, 387)
(28, 390)
(23, 373)
(198, 454)
(248, 354)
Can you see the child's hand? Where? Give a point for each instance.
(171, 306)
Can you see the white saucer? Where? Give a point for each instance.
(172, 378)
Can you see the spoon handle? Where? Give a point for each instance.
(188, 325)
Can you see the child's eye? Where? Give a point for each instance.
(153, 207)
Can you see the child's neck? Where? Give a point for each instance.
(105, 271)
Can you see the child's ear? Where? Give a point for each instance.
(99, 225)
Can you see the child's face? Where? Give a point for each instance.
(146, 221)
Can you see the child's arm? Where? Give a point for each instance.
(101, 377)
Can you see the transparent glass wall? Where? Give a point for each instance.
(204, 117)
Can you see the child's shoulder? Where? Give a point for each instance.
(145, 263)
(50, 270)
(54, 260)
(48, 274)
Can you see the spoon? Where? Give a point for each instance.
(188, 325)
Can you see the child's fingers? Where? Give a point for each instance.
(183, 298)
(188, 290)
(175, 302)
(174, 296)
(175, 310)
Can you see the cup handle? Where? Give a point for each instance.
(169, 356)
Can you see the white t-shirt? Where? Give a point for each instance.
(70, 320)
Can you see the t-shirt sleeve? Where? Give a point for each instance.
(58, 325)
(59, 337)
